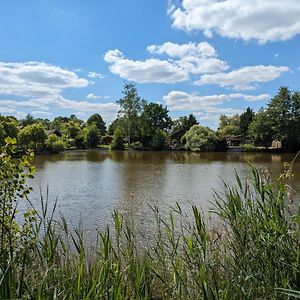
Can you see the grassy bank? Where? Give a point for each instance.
(253, 252)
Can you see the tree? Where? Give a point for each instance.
(117, 142)
(32, 136)
(92, 136)
(72, 129)
(29, 120)
(260, 129)
(8, 128)
(229, 125)
(245, 120)
(131, 106)
(97, 119)
(55, 144)
(182, 125)
(158, 140)
(279, 121)
(155, 116)
(200, 138)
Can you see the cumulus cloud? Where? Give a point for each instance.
(261, 20)
(203, 49)
(39, 87)
(95, 75)
(179, 100)
(183, 61)
(36, 79)
(244, 78)
(208, 107)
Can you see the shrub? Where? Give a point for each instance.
(158, 140)
(136, 146)
(249, 148)
(55, 144)
(200, 138)
(117, 142)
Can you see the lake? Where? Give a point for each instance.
(91, 184)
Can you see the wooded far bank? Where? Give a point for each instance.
(148, 126)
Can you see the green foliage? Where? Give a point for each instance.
(29, 120)
(32, 136)
(92, 136)
(200, 138)
(155, 116)
(71, 129)
(245, 120)
(279, 121)
(117, 142)
(97, 119)
(157, 141)
(229, 126)
(181, 126)
(136, 146)
(55, 144)
(8, 128)
(249, 148)
(131, 106)
(15, 237)
(253, 252)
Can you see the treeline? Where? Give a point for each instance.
(148, 126)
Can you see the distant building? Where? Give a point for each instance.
(54, 131)
(236, 140)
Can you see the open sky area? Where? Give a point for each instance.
(207, 57)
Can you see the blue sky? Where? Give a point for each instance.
(205, 57)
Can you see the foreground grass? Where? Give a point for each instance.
(254, 252)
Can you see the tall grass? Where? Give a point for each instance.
(253, 253)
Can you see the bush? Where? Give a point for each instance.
(200, 138)
(55, 144)
(249, 148)
(158, 140)
(136, 146)
(117, 142)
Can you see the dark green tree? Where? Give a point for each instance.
(245, 120)
(97, 119)
(92, 136)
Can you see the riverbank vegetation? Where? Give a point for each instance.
(147, 126)
(250, 252)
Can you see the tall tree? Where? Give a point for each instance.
(245, 120)
(97, 119)
(131, 106)
(155, 116)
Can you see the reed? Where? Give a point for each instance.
(253, 253)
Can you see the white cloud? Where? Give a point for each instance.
(183, 60)
(208, 108)
(150, 70)
(39, 86)
(244, 78)
(41, 112)
(262, 20)
(36, 79)
(178, 100)
(95, 75)
(93, 96)
(202, 49)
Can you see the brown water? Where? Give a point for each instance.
(91, 184)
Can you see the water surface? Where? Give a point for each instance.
(91, 184)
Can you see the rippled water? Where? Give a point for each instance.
(91, 184)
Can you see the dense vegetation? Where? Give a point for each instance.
(148, 126)
(253, 252)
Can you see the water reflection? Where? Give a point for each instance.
(90, 184)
